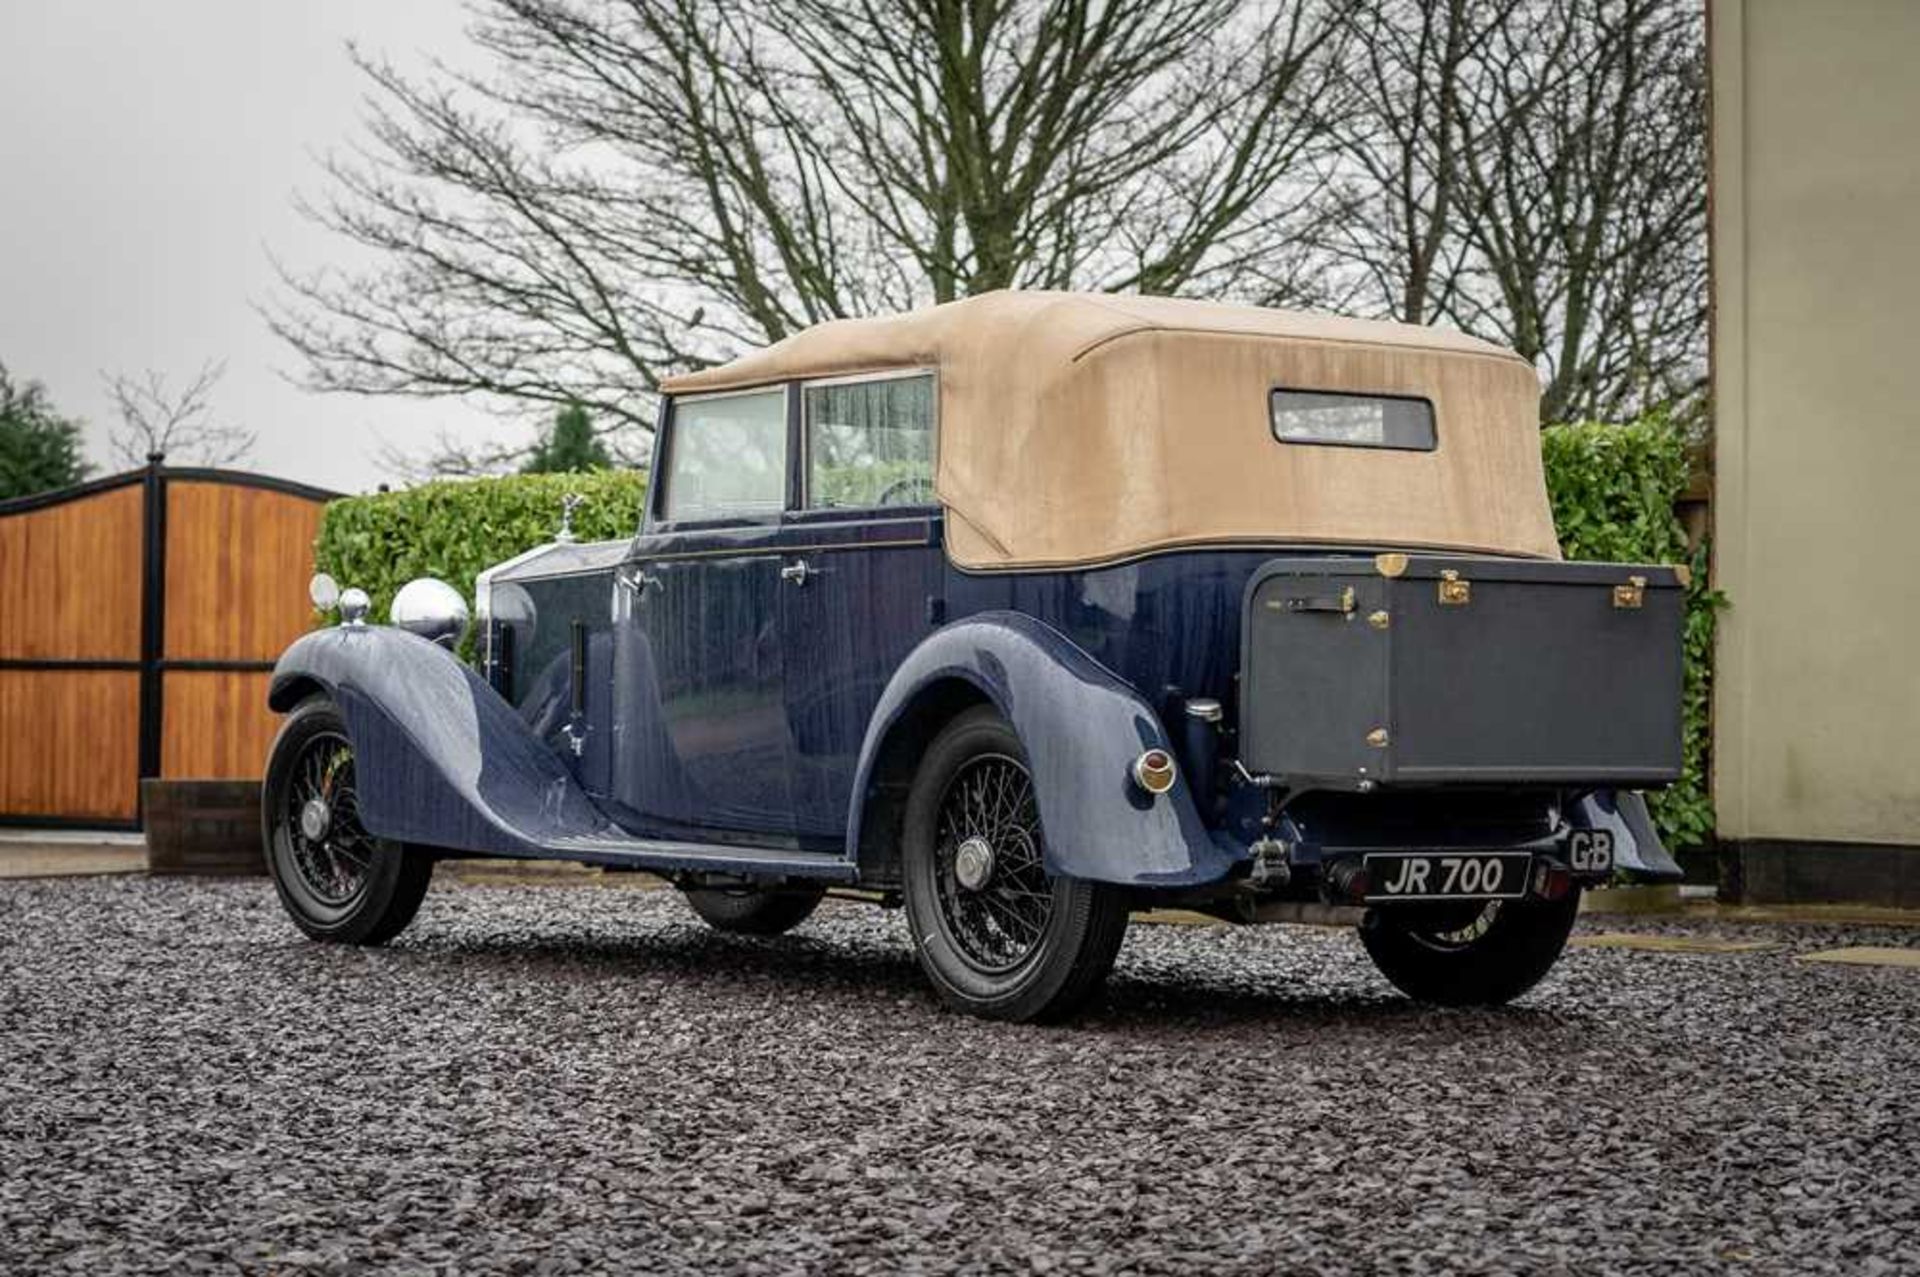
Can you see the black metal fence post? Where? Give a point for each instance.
(153, 616)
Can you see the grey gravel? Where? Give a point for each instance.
(548, 1079)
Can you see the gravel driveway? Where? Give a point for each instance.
(539, 1079)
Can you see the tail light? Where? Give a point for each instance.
(1153, 771)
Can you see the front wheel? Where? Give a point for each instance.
(337, 881)
(1469, 954)
(996, 934)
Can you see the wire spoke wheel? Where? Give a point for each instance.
(336, 880)
(995, 899)
(320, 820)
(996, 934)
(1458, 928)
(1471, 953)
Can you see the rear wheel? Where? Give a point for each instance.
(753, 911)
(1474, 954)
(997, 935)
(337, 881)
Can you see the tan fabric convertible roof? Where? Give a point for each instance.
(1079, 428)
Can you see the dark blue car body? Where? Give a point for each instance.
(735, 722)
(1262, 598)
(1026, 612)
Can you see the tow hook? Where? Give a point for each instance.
(1272, 865)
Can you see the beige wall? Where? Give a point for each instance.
(1816, 226)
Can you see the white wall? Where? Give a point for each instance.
(1816, 224)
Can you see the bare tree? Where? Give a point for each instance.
(1589, 218)
(649, 185)
(1395, 248)
(1535, 172)
(156, 419)
(458, 455)
(643, 186)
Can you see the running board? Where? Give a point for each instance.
(668, 857)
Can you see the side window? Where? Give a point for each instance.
(870, 443)
(726, 455)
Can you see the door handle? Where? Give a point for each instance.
(796, 572)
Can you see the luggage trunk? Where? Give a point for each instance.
(1416, 670)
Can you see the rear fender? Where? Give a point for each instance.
(440, 759)
(1637, 849)
(1082, 728)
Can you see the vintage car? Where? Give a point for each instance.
(1025, 612)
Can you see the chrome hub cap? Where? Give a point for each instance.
(315, 819)
(992, 890)
(319, 829)
(973, 864)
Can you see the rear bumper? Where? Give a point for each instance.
(1602, 835)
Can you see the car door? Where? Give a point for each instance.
(861, 572)
(702, 743)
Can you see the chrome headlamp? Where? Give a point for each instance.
(327, 595)
(432, 609)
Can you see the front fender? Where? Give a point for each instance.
(1082, 727)
(439, 758)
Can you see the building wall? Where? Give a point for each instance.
(1816, 224)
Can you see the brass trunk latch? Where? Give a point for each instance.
(1342, 602)
(1632, 594)
(1454, 592)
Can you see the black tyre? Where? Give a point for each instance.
(337, 881)
(996, 934)
(1469, 954)
(750, 911)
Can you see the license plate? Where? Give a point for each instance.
(1448, 875)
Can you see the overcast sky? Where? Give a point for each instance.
(149, 155)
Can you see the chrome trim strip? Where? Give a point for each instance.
(706, 395)
(777, 551)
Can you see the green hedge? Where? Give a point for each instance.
(454, 528)
(1613, 489)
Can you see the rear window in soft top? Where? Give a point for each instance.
(1352, 420)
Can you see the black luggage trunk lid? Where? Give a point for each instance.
(1430, 669)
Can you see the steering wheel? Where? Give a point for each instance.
(914, 489)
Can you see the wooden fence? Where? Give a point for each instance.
(139, 617)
